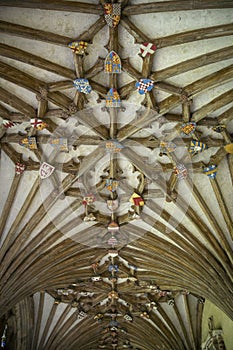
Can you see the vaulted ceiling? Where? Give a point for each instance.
(116, 219)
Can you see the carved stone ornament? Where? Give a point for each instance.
(19, 168)
(113, 227)
(147, 49)
(197, 147)
(38, 124)
(187, 129)
(144, 85)
(211, 171)
(29, 142)
(46, 170)
(78, 47)
(113, 99)
(89, 217)
(113, 295)
(88, 199)
(112, 184)
(112, 241)
(112, 64)
(113, 252)
(112, 14)
(167, 147)
(137, 200)
(81, 315)
(219, 128)
(8, 123)
(180, 171)
(113, 146)
(60, 143)
(82, 85)
(96, 278)
(128, 318)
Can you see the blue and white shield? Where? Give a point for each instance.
(144, 85)
(211, 171)
(82, 85)
(197, 147)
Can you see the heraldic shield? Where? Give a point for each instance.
(112, 185)
(180, 171)
(167, 147)
(147, 49)
(29, 142)
(78, 47)
(144, 85)
(211, 171)
(112, 14)
(188, 129)
(112, 63)
(38, 124)
(19, 168)
(45, 170)
(113, 98)
(8, 123)
(197, 147)
(60, 143)
(113, 146)
(82, 85)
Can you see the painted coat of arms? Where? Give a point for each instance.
(88, 199)
(112, 14)
(188, 129)
(19, 168)
(82, 85)
(112, 184)
(79, 47)
(38, 124)
(113, 98)
(29, 142)
(112, 63)
(147, 49)
(113, 146)
(144, 85)
(167, 147)
(137, 200)
(211, 171)
(46, 170)
(197, 147)
(180, 171)
(8, 123)
(60, 143)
